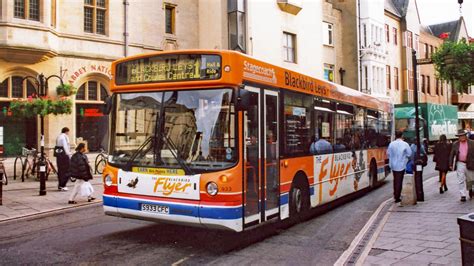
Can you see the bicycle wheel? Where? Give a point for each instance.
(16, 167)
(100, 165)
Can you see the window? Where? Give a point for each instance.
(431, 50)
(371, 128)
(329, 72)
(387, 33)
(289, 45)
(374, 79)
(416, 42)
(89, 91)
(427, 54)
(395, 77)
(428, 89)
(17, 87)
(441, 89)
(95, 16)
(437, 87)
(366, 78)
(27, 9)
(344, 132)
(388, 78)
(53, 13)
(169, 19)
(297, 123)
(323, 123)
(365, 35)
(423, 84)
(395, 36)
(236, 18)
(327, 33)
(409, 39)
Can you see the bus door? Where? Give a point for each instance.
(261, 165)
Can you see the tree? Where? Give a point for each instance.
(454, 61)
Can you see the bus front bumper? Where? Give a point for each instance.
(201, 214)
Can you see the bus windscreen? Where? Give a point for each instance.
(169, 68)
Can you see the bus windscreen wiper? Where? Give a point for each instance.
(139, 151)
(177, 156)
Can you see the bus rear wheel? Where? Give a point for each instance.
(299, 199)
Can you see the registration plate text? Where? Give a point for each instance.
(155, 208)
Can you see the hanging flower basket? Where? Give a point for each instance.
(40, 106)
(66, 90)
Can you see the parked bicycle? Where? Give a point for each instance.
(4, 180)
(29, 162)
(100, 162)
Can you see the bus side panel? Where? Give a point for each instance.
(337, 175)
(288, 170)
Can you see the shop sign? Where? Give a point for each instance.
(465, 115)
(91, 112)
(89, 69)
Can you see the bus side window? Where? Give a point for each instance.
(359, 129)
(323, 126)
(345, 140)
(372, 128)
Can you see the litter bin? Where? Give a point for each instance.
(466, 228)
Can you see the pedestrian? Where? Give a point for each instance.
(461, 159)
(442, 151)
(398, 153)
(62, 152)
(80, 170)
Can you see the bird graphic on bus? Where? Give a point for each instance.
(133, 183)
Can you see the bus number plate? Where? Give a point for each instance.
(155, 208)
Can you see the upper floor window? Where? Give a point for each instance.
(395, 36)
(95, 16)
(327, 33)
(388, 77)
(427, 54)
(423, 86)
(409, 39)
(428, 87)
(387, 33)
(365, 35)
(170, 13)
(395, 77)
(27, 9)
(236, 19)
(289, 47)
(329, 72)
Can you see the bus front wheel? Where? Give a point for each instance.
(299, 198)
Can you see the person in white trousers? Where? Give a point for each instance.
(80, 170)
(462, 160)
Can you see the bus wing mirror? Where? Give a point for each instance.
(109, 102)
(243, 100)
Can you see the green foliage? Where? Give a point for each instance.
(66, 90)
(40, 106)
(455, 61)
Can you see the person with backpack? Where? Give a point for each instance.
(442, 150)
(80, 170)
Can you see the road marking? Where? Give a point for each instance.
(181, 260)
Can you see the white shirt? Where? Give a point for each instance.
(63, 141)
(398, 154)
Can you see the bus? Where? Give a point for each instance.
(219, 139)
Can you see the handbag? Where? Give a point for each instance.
(86, 189)
(58, 151)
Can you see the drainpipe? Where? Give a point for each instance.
(125, 27)
(359, 63)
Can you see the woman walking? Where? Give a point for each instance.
(80, 170)
(442, 150)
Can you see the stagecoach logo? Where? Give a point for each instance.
(260, 73)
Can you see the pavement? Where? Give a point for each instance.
(22, 200)
(423, 234)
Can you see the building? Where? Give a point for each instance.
(77, 41)
(455, 31)
(333, 63)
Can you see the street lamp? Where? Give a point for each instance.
(42, 84)
(418, 162)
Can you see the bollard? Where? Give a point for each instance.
(408, 190)
(1, 187)
(466, 230)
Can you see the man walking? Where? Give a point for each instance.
(62, 153)
(399, 153)
(463, 153)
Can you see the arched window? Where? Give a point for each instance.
(17, 87)
(92, 90)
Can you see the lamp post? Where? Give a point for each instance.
(42, 91)
(418, 162)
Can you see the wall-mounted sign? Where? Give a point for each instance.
(89, 69)
(169, 68)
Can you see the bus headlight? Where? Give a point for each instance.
(211, 188)
(108, 180)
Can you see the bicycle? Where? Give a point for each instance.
(31, 165)
(3, 171)
(23, 160)
(100, 162)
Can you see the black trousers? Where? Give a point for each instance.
(397, 184)
(62, 162)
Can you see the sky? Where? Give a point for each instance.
(439, 11)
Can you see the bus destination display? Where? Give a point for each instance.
(169, 68)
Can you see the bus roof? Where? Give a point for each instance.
(237, 69)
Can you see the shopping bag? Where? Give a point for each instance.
(86, 189)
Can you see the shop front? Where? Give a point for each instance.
(466, 119)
